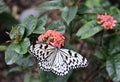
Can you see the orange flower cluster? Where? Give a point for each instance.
(52, 37)
(106, 21)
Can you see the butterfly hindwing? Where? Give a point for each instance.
(47, 63)
(59, 66)
(67, 59)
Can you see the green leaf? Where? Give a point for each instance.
(50, 5)
(117, 27)
(51, 77)
(100, 53)
(11, 56)
(25, 62)
(115, 12)
(18, 69)
(93, 3)
(30, 24)
(3, 7)
(40, 26)
(3, 47)
(114, 45)
(57, 25)
(27, 77)
(68, 13)
(17, 32)
(113, 68)
(22, 47)
(88, 30)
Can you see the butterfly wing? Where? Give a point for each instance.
(60, 61)
(59, 66)
(47, 63)
(44, 53)
(73, 59)
(67, 59)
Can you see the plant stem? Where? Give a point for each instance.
(3, 47)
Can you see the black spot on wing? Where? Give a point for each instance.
(41, 46)
(43, 55)
(40, 52)
(37, 55)
(83, 58)
(37, 51)
(70, 52)
(70, 62)
(76, 55)
(73, 60)
(46, 46)
(66, 57)
(47, 53)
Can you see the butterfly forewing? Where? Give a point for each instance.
(73, 59)
(41, 51)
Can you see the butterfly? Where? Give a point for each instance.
(57, 60)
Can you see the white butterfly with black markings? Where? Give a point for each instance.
(59, 61)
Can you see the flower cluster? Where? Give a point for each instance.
(52, 37)
(106, 21)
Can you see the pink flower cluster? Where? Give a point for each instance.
(52, 37)
(106, 21)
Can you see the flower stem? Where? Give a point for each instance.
(3, 47)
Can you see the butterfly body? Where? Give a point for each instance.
(59, 61)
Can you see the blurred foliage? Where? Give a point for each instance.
(3, 7)
(78, 21)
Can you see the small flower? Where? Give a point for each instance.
(52, 37)
(106, 21)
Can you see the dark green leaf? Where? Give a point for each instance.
(68, 13)
(117, 27)
(100, 53)
(50, 5)
(83, 9)
(115, 12)
(51, 77)
(27, 77)
(25, 62)
(30, 24)
(93, 3)
(11, 56)
(113, 68)
(40, 26)
(57, 25)
(114, 45)
(7, 20)
(22, 47)
(88, 30)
